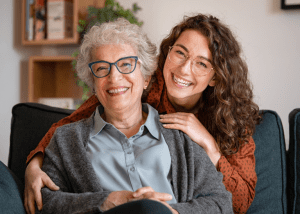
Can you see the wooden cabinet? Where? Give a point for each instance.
(52, 77)
(79, 12)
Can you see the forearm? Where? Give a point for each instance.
(66, 202)
(241, 186)
(240, 176)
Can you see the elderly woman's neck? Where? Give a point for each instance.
(127, 122)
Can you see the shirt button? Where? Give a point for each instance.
(129, 153)
(132, 169)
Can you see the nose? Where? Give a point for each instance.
(186, 67)
(114, 74)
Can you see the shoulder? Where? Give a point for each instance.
(75, 126)
(178, 141)
(72, 133)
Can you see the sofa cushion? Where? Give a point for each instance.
(270, 156)
(10, 197)
(294, 162)
(30, 122)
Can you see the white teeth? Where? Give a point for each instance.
(181, 81)
(115, 91)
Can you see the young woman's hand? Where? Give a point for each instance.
(35, 180)
(189, 124)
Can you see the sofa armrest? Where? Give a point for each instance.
(11, 192)
(30, 122)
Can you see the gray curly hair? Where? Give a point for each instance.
(120, 31)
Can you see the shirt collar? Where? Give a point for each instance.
(99, 123)
(151, 121)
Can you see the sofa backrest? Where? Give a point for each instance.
(293, 158)
(30, 122)
(270, 156)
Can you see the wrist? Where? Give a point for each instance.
(36, 161)
(213, 152)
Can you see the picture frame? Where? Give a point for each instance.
(290, 4)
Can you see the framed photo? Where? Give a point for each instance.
(290, 4)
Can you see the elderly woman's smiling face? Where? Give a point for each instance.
(117, 91)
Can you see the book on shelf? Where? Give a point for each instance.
(40, 20)
(59, 19)
(30, 15)
(66, 103)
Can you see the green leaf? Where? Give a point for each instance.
(80, 28)
(84, 97)
(75, 53)
(82, 22)
(135, 7)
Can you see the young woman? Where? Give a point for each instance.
(201, 87)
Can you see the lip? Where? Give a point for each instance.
(180, 82)
(115, 91)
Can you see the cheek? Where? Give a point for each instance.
(167, 70)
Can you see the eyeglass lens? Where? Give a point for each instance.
(179, 56)
(125, 66)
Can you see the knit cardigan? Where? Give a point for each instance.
(196, 183)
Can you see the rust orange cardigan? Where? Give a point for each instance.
(239, 176)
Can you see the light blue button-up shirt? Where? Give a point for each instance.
(123, 163)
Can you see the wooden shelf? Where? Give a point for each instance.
(52, 76)
(79, 12)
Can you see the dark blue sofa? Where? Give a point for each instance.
(30, 122)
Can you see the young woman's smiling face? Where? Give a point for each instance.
(184, 85)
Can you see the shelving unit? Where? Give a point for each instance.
(52, 76)
(79, 11)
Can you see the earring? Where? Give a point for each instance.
(145, 87)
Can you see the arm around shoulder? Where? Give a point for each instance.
(79, 190)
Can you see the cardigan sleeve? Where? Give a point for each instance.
(76, 195)
(197, 185)
(85, 110)
(240, 176)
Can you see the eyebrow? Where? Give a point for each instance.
(183, 47)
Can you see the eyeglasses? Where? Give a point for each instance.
(200, 66)
(125, 65)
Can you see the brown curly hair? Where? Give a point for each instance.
(226, 110)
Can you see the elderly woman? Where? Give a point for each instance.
(122, 153)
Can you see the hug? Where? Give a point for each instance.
(161, 135)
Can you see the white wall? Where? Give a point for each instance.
(269, 36)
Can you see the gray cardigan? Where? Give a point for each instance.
(196, 183)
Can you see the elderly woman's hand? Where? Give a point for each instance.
(35, 180)
(115, 199)
(189, 124)
(149, 193)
